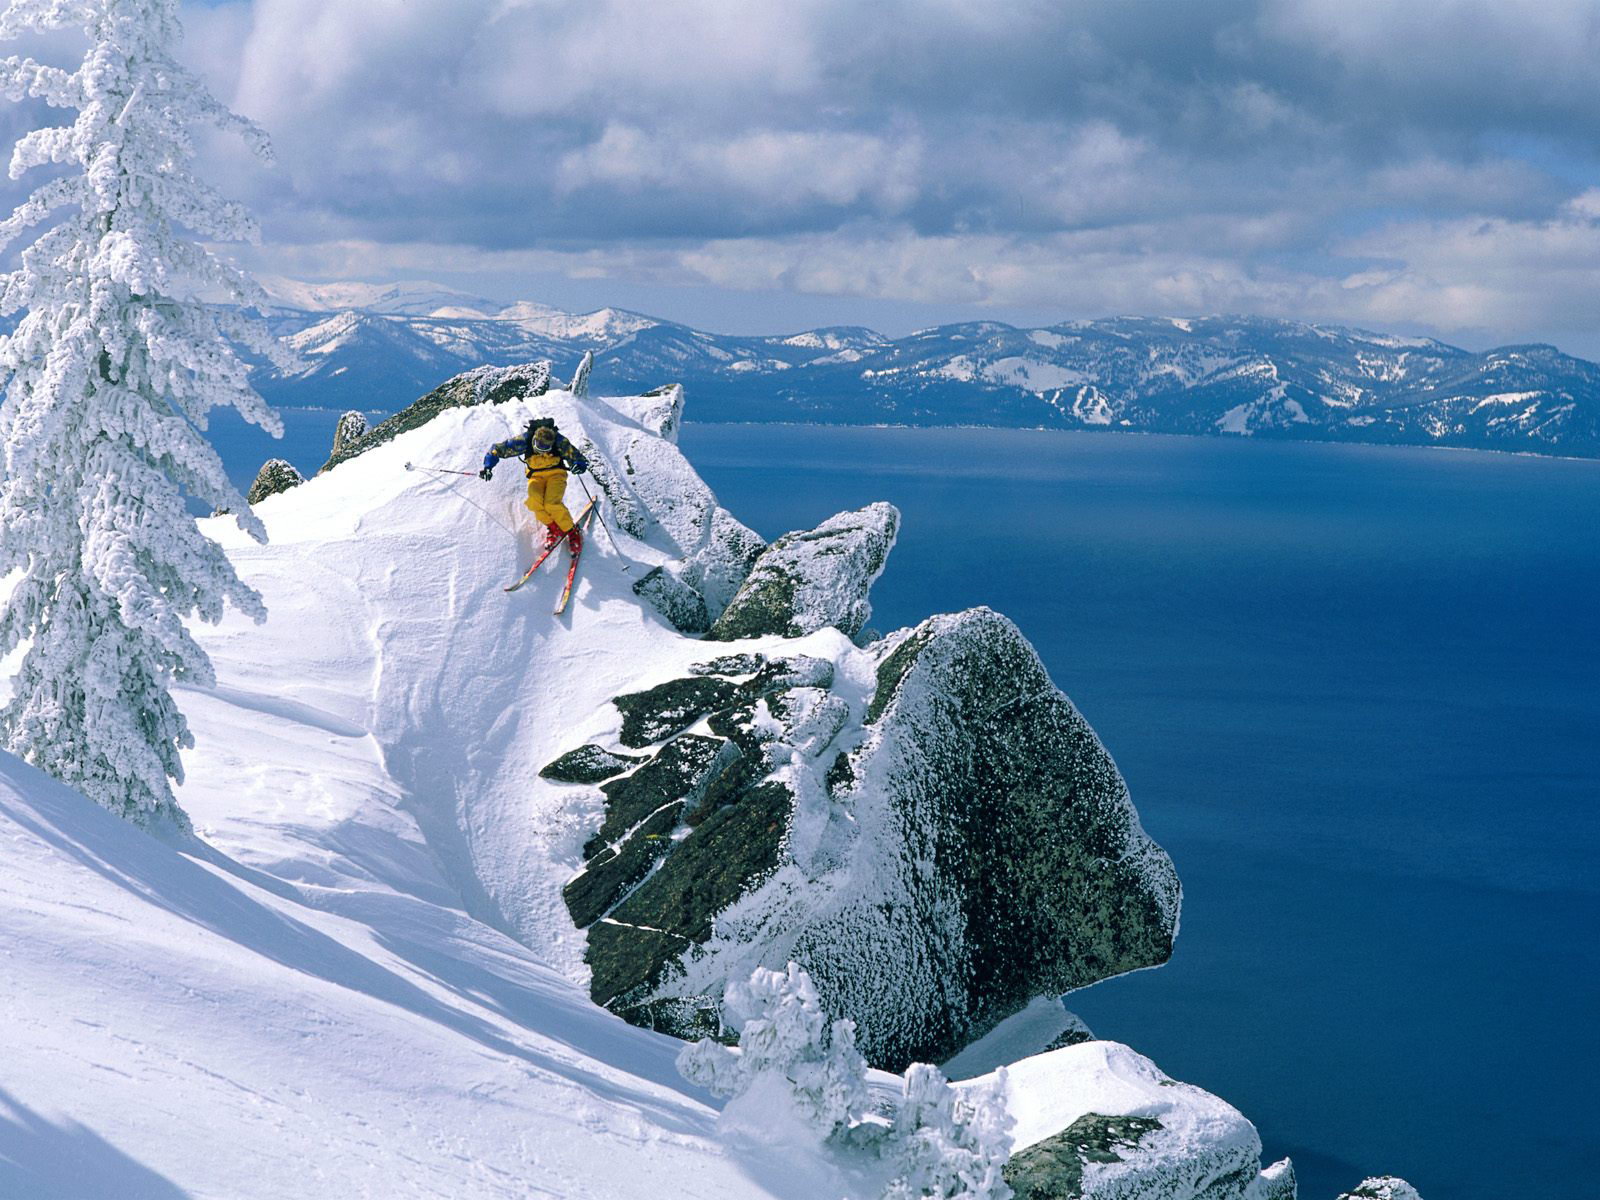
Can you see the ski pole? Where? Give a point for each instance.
(438, 470)
(626, 568)
(464, 496)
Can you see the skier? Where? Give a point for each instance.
(548, 456)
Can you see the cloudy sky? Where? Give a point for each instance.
(755, 165)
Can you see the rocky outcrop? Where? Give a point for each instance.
(810, 580)
(935, 850)
(276, 475)
(1099, 1121)
(656, 495)
(485, 385)
(1382, 1187)
(588, 764)
(1053, 1168)
(1043, 879)
(1276, 1182)
(352, 427)
(674, 599)
(579, 386)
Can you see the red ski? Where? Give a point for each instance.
(572, 567)
(549, 550)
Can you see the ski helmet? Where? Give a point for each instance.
(544, 439)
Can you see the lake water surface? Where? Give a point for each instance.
(1356, 694)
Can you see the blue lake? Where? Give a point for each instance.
(1356, 694)
(307, 440)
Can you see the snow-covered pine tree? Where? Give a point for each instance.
(109, 377)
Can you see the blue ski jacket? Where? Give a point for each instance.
(562, 455)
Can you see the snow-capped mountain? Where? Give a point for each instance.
(411, 299)
(429, 814)
(1227, 376)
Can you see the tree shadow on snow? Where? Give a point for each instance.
(45, 1161)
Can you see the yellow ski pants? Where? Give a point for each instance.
(544, 499)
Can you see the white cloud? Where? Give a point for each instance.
(1092, 157)
(796, 167)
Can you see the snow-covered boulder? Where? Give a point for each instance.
(483, 385)
(351, 428)
(276, 475)
(1041, 878)
(1099, 1121)
(655, 494)
(1382, 1187)
(928, 827)
(1276, 1182)
(809, 580)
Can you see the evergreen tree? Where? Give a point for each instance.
(109, 377)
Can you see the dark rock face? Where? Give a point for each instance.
(676, 775)
(651, 715)
(485, 385)
(731, 664)
(1053, 1169)
(667, 708)
(675, 600)
(588, 764)
(691, 830)
(734, 848)
(1034, 876)
(1075, 1034)
(276, 475)
(935, 854)
(808, 581)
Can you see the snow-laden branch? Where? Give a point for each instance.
(23, 77)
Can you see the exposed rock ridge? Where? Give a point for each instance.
(655, 495)
(1029, 872)
(809, 580)
(484, 385)
(1053, 1169)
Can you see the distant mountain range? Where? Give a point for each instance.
(380, 346)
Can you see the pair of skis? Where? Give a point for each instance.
(572, 567)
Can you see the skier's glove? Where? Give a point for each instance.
(486, 474)
(579, 466)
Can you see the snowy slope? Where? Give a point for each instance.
(179, 1024)
(309, 1009)
(320, 997)
(183, 1025)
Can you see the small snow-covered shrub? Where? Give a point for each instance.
(789, 1054)
(795, 1068)
(949, 1142)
